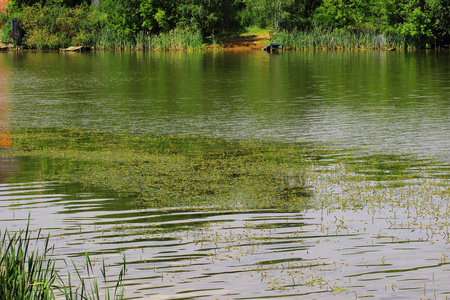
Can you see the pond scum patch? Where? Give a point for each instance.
(205, 173)
(196, 172)
(200, 172)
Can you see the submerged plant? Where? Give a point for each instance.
(199, 172)
(177, 171)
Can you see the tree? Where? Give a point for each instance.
(123, 16)
(159, 15)
(418, 27)
(280, 14)
(208, 16)
(343, 13)
(69, 3)
(439, 11)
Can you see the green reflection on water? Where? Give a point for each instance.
(369, 98)
(381, 99)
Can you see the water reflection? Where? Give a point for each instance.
(384, 100)
(395, 244)
(8, 161)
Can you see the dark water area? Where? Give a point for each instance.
(394, 244)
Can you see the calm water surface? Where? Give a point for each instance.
(383, 101)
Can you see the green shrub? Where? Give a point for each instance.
(53, 26)
(5, 18)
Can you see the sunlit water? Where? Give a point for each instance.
(385, 101)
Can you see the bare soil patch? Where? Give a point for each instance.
(242, 42)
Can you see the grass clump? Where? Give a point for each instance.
(25, 273)
(322, 39)
(174, 40)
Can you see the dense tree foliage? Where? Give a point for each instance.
(24, 3)
(58, 26)
(208, 16)
(421, 22)
(279, 14)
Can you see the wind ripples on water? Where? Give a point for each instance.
(393, 243)
(385, 101)
(179, 254)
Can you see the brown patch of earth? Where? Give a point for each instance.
(241, 42)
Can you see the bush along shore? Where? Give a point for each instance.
(189, 24)
(54, 27)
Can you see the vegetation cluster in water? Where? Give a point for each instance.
(175, 171)
(205, 172)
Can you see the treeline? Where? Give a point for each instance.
(184, 24)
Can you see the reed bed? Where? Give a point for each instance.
(178, 39)
(26, 273)
(323, 39)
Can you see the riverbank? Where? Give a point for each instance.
(179, 40)
(241, 42)
(4, 47)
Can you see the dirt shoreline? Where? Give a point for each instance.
(241, 42)
(247, 42)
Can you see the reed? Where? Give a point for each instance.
(89, 288)
(178, 39)
(322, 39)
(27, 274)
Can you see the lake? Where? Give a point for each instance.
(378, 223)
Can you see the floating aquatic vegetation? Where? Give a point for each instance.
(175, 171)
(201, 172)
(405, 192)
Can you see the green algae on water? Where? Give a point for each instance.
(175, 171)
(203, 172)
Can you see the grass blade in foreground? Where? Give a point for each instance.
(26, 274)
